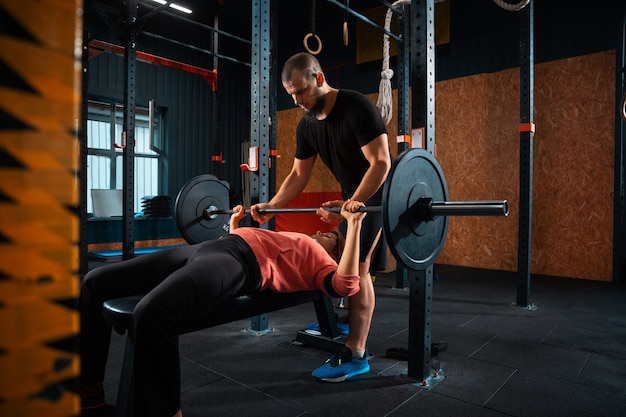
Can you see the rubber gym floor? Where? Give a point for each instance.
(565, 357)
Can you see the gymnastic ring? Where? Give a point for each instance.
(306, 43)
(622, 107)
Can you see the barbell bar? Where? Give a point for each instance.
(425, 207)
(415, 208)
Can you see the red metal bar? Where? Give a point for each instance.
(96, 47)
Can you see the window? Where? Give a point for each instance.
(105, 168)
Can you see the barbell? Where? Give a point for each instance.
(425, 208)
(415, 208)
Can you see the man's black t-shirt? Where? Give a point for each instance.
(352, 123)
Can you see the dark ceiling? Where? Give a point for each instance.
(104, 15)
(293, 19)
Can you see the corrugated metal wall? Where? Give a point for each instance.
(194, 129)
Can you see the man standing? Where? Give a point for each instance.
(346, 130)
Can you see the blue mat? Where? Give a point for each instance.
(116, 255)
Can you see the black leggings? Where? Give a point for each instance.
(179, 284)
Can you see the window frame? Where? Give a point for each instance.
(111, 112)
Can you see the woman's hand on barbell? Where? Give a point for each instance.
(350, 210)
(238, 214)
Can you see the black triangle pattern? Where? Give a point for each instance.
(7, 161)
(8, 122)
(12, 79)
(10, 27)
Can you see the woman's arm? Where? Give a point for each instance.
(349, 262)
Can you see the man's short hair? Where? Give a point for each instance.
(302, 62)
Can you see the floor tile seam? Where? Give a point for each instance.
(473, 404)
(395, 364)
(598, 328)
(592, 327)
(463, 325)
(240, 383)
(394, 335)
(390, 413)
(515, 371)
(482, 346)
(547, 344)
(586, 350)
(538, 373)
(542, 341)
(462, 299)
(581, 384)
(582, 368)
(216, 372)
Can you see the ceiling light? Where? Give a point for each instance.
(175, 6)
(180, 8)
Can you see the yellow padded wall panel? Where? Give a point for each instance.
(40, 48)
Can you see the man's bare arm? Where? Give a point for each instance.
(377, 154)
(290, 188)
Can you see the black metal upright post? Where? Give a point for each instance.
(619, 221)
(128, 142)
(423, 118)
(83, 244)
(526, 155)
(404, 19)
(260, 113)
(273, 97)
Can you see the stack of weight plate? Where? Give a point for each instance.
(157, 206)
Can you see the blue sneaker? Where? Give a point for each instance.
(344, 328)
(342, 366)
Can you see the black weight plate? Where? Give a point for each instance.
(414, 174)
(199, 193)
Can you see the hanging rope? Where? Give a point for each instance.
(384, 104)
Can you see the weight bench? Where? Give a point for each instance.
(119, 313)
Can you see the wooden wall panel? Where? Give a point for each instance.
(478, 148)
(573, 213)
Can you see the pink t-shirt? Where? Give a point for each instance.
(291, 261)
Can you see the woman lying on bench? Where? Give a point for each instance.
(187, 282)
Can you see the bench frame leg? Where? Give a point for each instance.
(330, 339)
(124, 406)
